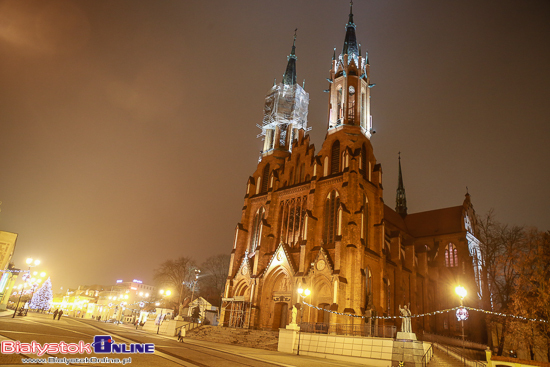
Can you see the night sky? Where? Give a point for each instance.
(128, 128)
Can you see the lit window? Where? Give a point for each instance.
(451, 256)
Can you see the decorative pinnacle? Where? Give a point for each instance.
(289, 77)
(400, 200)
(350, 21)
(293, 53)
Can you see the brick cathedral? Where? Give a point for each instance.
(318, 220)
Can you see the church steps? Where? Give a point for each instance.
(243, 337)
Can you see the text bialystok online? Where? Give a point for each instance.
(103, 344)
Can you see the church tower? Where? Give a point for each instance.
(350, 85)
(285, 111)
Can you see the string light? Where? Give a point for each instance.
(427, 314)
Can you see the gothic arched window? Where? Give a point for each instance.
(388, 295)
(364, 161)
(365, 221)
(256, 229)
(292, 216)
(330, 223)
(265, 178)
(335, 158)
(451, 256)
(368, 286)
(363, 109)
(339, 116)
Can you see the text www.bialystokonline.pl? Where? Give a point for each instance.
(76, 360)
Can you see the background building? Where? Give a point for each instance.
(8, 274)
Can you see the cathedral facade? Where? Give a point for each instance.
(318, 220)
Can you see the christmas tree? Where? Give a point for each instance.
(42, 297)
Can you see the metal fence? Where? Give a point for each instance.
(365, 330)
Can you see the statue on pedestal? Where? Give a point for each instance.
(406, 320)
(294, 314)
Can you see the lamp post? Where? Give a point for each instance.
(162, 293)
(461, 292)
(302, 294)
(197, 272)
(30, 262)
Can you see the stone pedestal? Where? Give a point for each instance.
(405, 336)
(293, 327)
(287, 339)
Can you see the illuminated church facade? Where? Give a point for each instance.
(318, 220)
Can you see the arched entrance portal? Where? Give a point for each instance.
(238, 307)
(280, 315)
(277, 296)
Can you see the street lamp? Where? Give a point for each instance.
(162, 293)
(303, 294)
(197, 272)
(461, 292)
(30, 262)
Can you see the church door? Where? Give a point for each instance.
(280, 315)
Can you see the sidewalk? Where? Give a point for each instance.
(6, 313)
(277, 358)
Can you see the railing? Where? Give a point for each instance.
(427, 356)
(458, 354)
(454, 341)
(365, 330)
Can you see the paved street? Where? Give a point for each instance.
(168, 352)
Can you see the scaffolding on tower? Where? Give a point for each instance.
(286, 107)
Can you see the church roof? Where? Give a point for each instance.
(392, 217)
(430, 223)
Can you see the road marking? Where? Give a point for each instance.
(160, 354)
(58, 327)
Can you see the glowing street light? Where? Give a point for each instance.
(30, 262)
(461, 292)
(303, 293)
(167, 293)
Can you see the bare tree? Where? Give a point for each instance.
(532, 296)
(177, 276)
(502, 247)
(213, 276)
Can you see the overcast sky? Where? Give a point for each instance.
(128, 128)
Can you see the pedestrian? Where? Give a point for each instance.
(55, 314)
(59, 316)
(180, 334)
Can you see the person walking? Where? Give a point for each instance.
(59, 316)
(55, 314)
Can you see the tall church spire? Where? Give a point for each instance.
(289, 77)
(400, 200)
(350, 42)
